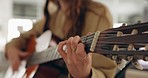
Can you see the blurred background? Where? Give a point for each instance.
(18, 16)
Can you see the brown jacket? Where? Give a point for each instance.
(97, 18)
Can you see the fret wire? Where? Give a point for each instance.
(52, 52)
(84, 41)
(48, 53)
(43, 57)
(57, 54)
(48, 57)
(52, 55)
(36, 57)
(87, 40)
(88, 35)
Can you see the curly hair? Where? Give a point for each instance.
(75, 16)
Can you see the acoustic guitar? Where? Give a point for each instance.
(128, 42)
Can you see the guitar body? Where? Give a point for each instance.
(51, 69)
(46, 72)
(31, 43)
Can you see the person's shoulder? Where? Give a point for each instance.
(97, 8)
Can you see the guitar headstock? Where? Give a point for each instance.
(129, 42)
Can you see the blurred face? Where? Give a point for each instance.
(66, 1)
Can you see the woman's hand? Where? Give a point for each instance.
(14, 55)
(75, 57)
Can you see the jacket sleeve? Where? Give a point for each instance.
(103, 67)
(21, 40)
(105, 21)
(95, 74)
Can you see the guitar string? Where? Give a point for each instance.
(42, 54)
(87, 37)
(58, 55)
(83, 38)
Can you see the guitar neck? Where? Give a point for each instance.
(51, 53)
(47, 55)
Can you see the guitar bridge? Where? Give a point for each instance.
(94, 42)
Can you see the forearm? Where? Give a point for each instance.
(16, 42)
(20, 42)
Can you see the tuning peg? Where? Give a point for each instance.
(123, 25)
(116, 48)
(146, 47)
(137, 65)
(134, 31)
(122, 64)
(145, 58)
(119, 33)
(130, 47)
(114, 57)
(139, 21)
(129, 58)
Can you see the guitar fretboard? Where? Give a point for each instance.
(49, 54)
